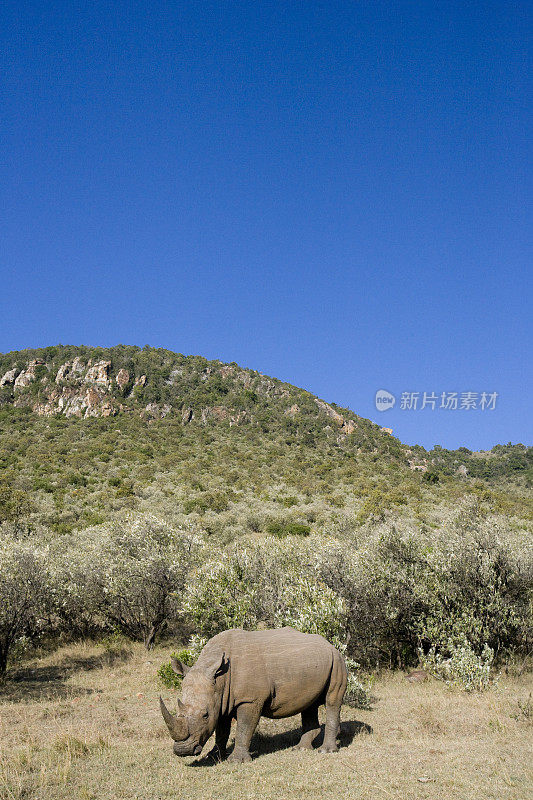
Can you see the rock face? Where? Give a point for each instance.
(186, 415)
(123, 378)
(63, 372)
(9, 377)
(27, 376)
(84, 387)
(330, 412)
(347, 426)
(77, 390)
(99, 374)
(70, 370)
(155, 411)
(293, 410)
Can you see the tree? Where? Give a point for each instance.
(23, 596)
(132, 572)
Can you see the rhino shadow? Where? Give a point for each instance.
(263, 744)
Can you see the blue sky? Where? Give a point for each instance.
(333, 193)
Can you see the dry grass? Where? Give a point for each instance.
(84, 723)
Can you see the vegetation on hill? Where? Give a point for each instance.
(153, 493)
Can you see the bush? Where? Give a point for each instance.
(281, 529)
(23, 595)
(463, 668)
(130, 573)
(357, 694)
(188, 655)
(407, 589)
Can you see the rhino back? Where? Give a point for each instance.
(286, 669)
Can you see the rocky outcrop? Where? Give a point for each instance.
(186, 415)
(89, 388)
(418, 467)
(77, 390)
(27, 376)
(63, 372)
(155, 411)
(99, 374)
(122, 378)
(217, 413)
(330, 412)
(292, 411)
(270, 388)
(223, 414)
(347, 426)
(9, 377)
(174, 375)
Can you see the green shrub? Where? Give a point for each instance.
(188, 655)
(358, 695)
(463, 668)
(281, 529)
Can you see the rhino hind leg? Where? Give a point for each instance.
(310, 728)
(247, 718)
(334, 698)
(333, 724)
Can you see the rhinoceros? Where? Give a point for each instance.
(245, 675)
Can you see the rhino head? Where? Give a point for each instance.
(199, 708)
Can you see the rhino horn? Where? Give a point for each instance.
(177, 725)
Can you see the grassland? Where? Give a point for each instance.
(83, 723)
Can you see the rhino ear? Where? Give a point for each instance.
(179, 667)
(217, 667)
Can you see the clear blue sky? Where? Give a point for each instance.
(333, 193)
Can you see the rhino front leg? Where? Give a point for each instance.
(247, 718)
(222, 735)
(222, 731)
(310, 728)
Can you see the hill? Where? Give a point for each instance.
(151, 494)
(86, 432)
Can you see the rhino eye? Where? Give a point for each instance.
(205, 714)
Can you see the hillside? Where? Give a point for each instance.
(86, 432)
(150, 495)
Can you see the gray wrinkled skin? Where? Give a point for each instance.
(244, 675)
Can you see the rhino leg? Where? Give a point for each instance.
(248, 715)
(222, 732)
(333, 724)
(310, 728)
(334, 698)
